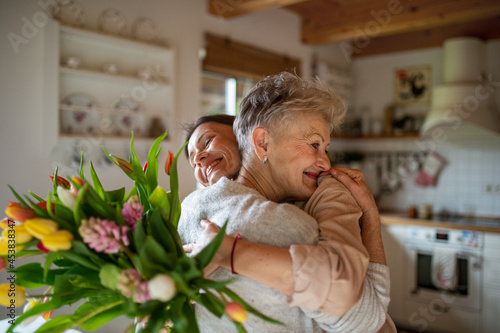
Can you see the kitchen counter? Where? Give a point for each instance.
(476, 224)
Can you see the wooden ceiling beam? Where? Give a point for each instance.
(382, 18)
(485, 30)
(233, 8)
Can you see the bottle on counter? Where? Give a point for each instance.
(425, 211)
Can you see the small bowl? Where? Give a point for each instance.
(72, 62)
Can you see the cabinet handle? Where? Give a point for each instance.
(439, 308)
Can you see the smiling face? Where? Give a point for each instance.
(296, 157)
(213, 153)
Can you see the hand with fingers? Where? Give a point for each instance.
(370, 221)
(210, 230)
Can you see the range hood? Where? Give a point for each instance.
(464, 103)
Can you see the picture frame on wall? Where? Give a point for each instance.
(412, 86)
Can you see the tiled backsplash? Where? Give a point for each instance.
(468, 184)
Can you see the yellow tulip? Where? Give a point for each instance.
(40, 227)
(59, 240)
(17, 233)
(12, 296)
(13, 247)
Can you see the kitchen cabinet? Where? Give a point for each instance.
(443, 313)
(103, 86)
(491, 284)
(394, 237)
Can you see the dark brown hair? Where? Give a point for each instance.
(224, 119)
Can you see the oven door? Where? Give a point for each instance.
(420, 287)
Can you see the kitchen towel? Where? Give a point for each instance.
(444, 268)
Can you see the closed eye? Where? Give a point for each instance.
(207, 142)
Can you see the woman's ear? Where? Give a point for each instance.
(260, 140)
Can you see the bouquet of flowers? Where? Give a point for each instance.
(119, 252)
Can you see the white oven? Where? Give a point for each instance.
(466, 247)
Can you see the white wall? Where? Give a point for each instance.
(473, 159)
(180, 22)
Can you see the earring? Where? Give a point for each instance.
(264, 160)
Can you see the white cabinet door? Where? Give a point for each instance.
(491, 311)
(491, 284)
(394, 237)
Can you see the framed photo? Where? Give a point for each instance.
(412, 86)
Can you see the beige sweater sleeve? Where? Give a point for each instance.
(329, 277)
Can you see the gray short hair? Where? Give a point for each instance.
(279, 100)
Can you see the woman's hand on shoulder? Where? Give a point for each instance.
(210, 230)
(355, 182)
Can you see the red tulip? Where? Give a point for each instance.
(236, 312)
(42, 248)
(61, 182)
(5, 223)
(43, 205)
(124, 165)
(145, 167)
(46, 315)
(3, 263)
(18, 212)
(78, 180)
(168, 162)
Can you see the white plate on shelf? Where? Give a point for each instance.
(111, 21)
(70, 12)
(144, 29)
(79, 114)
(129, 116)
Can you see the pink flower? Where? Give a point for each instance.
(103, 235)
(131, 284)
(132, 211)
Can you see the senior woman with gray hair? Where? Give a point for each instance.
(281, 260)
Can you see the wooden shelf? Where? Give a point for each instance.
(106, 38)
(112, 77)
(377, 137)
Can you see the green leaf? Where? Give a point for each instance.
(82, 249)
(206, 255)
(116, 195)
(161, 234)
(65, 322)
(174, 189)
(109, 276)
(78, 213)
(136, 164)
(51, 256)
(152, 170)
(189, 269)
(180, 321)
(79, 259)
(213, 304)
(159, 199)
(139, 235)
(100, 318)
(81, 167)
(83, 283)
(101, 208)
(31, 275)
(154, 256)
(157, 320)
(97, 183)
(21, 201)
